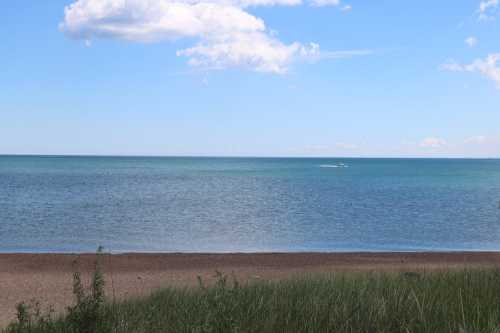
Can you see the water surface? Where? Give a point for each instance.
(74, 204)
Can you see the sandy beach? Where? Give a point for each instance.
(47, 277)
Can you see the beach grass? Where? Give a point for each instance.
(447, 301)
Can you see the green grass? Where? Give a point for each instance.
(464, 301)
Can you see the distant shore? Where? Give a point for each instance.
(47, 277)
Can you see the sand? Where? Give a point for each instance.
(48, 277)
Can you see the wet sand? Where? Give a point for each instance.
(48, 277)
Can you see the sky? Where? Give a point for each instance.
(346, 78)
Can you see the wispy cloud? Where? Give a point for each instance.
(432, 142)
(346, 8)
(336, 3)
(478, 139)
(346, 145)
(320, 3)
(471, 41)
(487, 67)
(451, 65)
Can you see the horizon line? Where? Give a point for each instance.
(249, 156)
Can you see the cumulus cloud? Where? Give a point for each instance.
(250, 3)
(486, 7)
(432, 142)
(487, 67)
(227, 35)
(153, 20)
(471, 41)
(253, 50)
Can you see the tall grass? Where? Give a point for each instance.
(465, 301)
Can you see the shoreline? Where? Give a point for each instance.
(47, 277)
(129, 261)
(265, 252)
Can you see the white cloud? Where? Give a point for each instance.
(320, 3)
(249, 3)
(479, 139)
(452, 66)
(149, 20)
(479, 146)
(485, 7)
(432, 142)
(255, 50)
(345, 145)
(228, 36)
(471, 41)
(487, 67)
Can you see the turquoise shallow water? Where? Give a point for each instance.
(73, 204)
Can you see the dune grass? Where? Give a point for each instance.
(451, 301)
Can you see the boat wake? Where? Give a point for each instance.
(338, 165)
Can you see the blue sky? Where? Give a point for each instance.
(250, 78)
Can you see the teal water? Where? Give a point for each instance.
(74, 204)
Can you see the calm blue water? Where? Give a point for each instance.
(59, 204)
